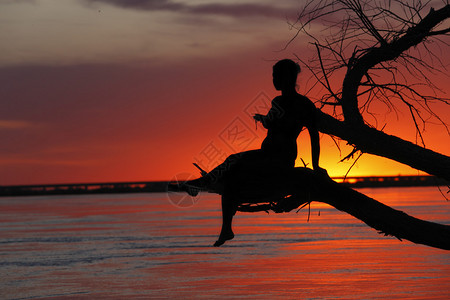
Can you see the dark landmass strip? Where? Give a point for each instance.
(161, 186)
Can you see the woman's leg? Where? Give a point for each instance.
(233, 162)
(228, 211)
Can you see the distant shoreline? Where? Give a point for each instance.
(161, 186)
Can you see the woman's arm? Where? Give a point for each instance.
(275, 113)
(315, 150)
(315, 146)
(315, 141)
(263, 119)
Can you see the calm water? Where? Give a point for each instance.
(142, 246)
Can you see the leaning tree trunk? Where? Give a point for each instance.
(285, 190)
(373, 141)
(386, 219)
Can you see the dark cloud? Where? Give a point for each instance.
(17, 1)
(233, 10)
(145, 4)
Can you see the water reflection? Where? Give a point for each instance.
(141, 246)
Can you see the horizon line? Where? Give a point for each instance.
(166, 181)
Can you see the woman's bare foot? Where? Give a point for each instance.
(223, 237)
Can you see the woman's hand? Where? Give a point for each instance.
(258, 117)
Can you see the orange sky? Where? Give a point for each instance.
(94, 92)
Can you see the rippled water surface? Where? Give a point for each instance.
(142, 246)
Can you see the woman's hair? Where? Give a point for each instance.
(289, 70)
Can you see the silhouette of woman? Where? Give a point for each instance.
(289, 114)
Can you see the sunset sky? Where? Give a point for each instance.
(116, 90)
